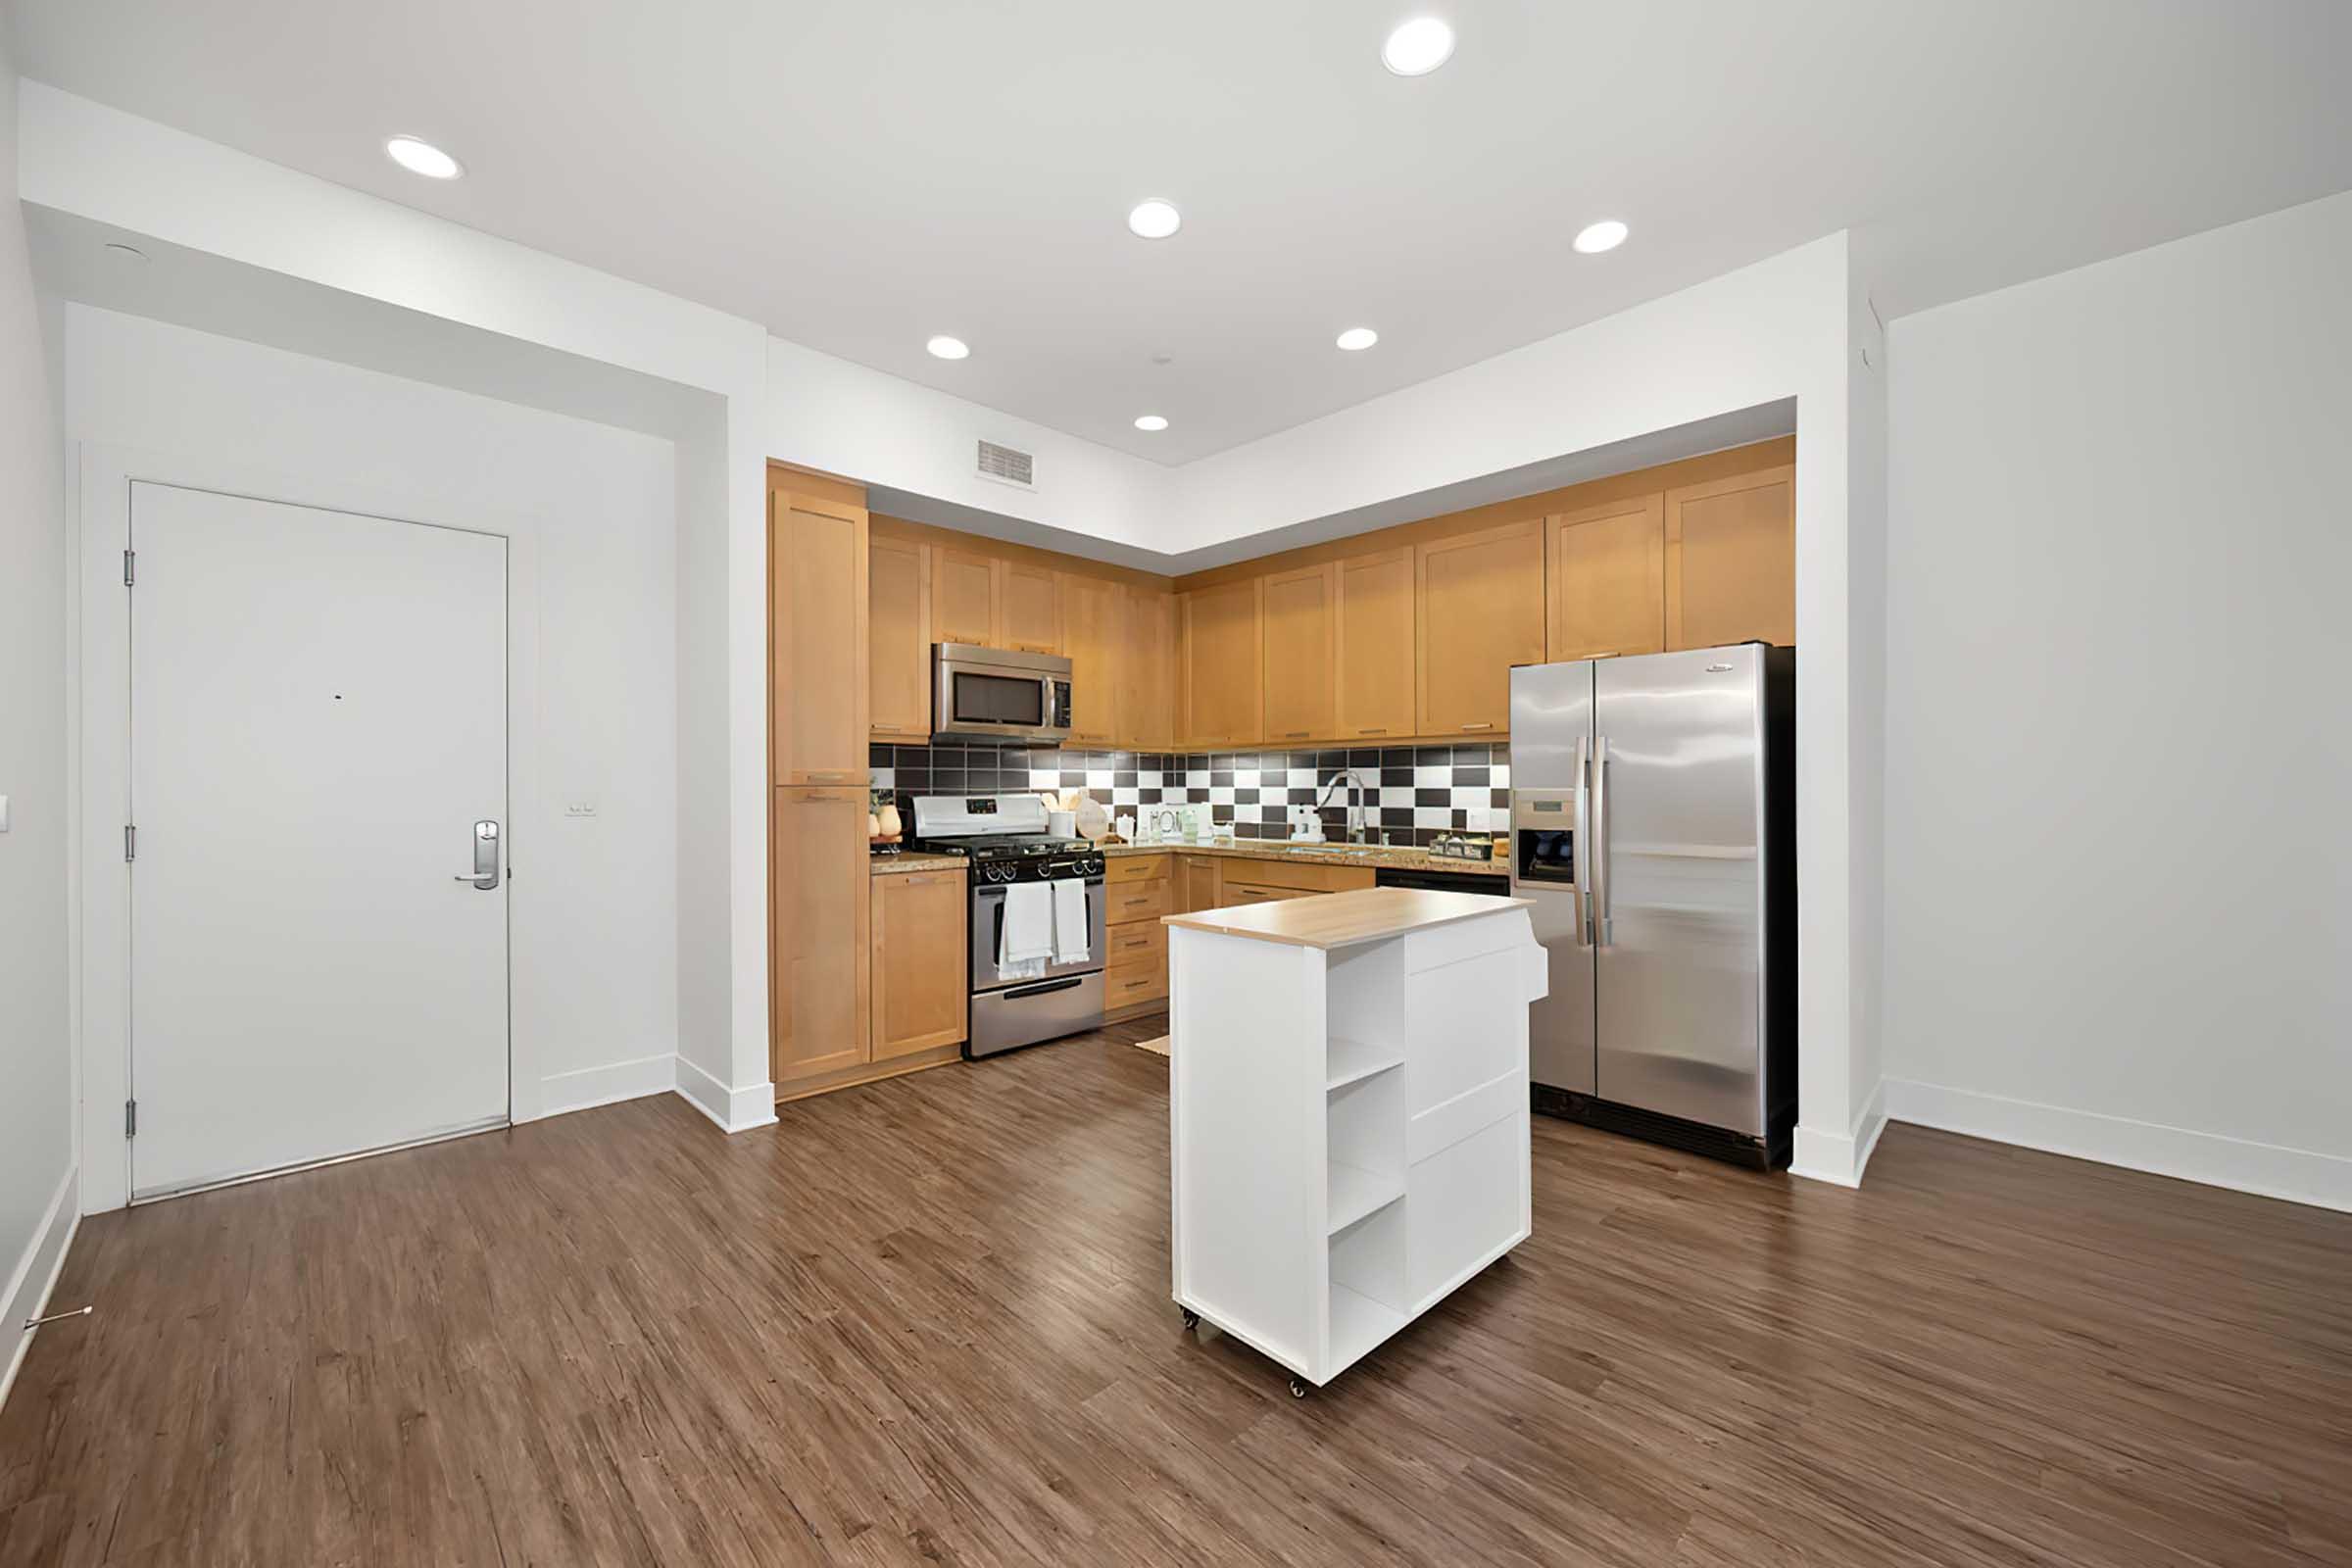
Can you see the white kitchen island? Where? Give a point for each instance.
(1349, 1112)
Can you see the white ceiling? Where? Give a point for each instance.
(859, 175)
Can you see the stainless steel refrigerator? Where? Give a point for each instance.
(1653, 824)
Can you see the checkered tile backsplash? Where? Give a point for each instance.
(1409, 795)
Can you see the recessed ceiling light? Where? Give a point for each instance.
(1356, 338)
(422, 157)
(948, 348)
(1605, 235)
(1154, 218)
(1152, 421)
(1418, 47)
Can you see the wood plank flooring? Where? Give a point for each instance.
(928, 1321)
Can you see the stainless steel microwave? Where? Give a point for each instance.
(995, 694)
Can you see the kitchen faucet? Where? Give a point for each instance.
(1356, 788)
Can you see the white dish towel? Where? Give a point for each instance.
(1069, 921)
(1025, 941)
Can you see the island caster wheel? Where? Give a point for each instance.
(1298, 1390)
(1192, 1319)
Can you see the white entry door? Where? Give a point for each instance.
(318, 725)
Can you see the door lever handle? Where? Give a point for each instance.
(485, 873)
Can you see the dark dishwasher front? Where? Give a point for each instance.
(1436, 881)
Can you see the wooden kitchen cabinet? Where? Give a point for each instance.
(1608, 580)
(964, 596)
(1373, 647)
(1134, 979)
(819, 924)
(1146, 713)
(898, 622)
(1731, 560)
(1028, 607)
(1220, 676)
(1301, 627)
(1480, 610)
(919, 999)
(1193, 885)
(1092, 633)
(818, 637)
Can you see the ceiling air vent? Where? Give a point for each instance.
(1007, 466)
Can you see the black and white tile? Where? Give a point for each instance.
(1411, 795)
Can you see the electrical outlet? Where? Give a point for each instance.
(580, 808)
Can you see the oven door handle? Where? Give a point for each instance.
(1043, 987)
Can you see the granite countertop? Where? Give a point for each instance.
(899, 865)
(1395, 857)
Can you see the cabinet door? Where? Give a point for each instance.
(1196, 883)
(897, 637)
(1091, 623)
(1300, 643)
(1029, 607)
(1146, 717)
(816, 551)
(1374, 646)
(818, 1014)
(1731, 560)
(1221, 672)
(963, 597)
(1481, 599)
(920, 997)
(1608, 580)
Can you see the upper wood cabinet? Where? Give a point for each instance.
(1480, 611)
(817, 638)
(1731, 560)
(1301, 628)
(919, 994)
(1373, 649)
(818, 1020)
(1608, 580)
(1220, 675)
(1028, 607)
(898, 621)
(1092, 636)
(1146, 713)
(964, 596)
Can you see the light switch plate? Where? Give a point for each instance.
(580, 808)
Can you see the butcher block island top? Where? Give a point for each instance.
(1347, 919)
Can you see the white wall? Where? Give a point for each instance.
(36, 1137)
(593, 511)
(2119, 885)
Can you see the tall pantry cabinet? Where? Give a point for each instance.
(819, 899)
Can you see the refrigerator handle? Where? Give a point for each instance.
(1581, 867)
(1599, 861)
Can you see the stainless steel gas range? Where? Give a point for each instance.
(1005, 838)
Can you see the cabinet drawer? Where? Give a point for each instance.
(1137, 901)
(1124, 868)
(1299, 877)
(1139, 943)
(1233, 894)
(1125, 985)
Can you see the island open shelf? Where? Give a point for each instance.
(1349, 1111)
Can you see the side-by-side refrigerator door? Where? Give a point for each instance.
(1677, 887)
(1551, 739)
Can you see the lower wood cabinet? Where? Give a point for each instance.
(1192, 884)
(1136, 967)
(920, 997)
(818, 1015)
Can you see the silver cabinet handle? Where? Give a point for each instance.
(484, 874)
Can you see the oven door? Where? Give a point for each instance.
(990, 694)
(988, 929)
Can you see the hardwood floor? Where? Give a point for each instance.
(929, 1321)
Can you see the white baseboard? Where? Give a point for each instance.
(35, 1273)
(735, 1110)
(1840, 1158)
(2297, 1175)
(584, 1087)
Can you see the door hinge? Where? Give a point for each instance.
(130, 1118)
(130, 567)
(131, 841)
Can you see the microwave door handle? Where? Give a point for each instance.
(1045, 702)
(1580, 852)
